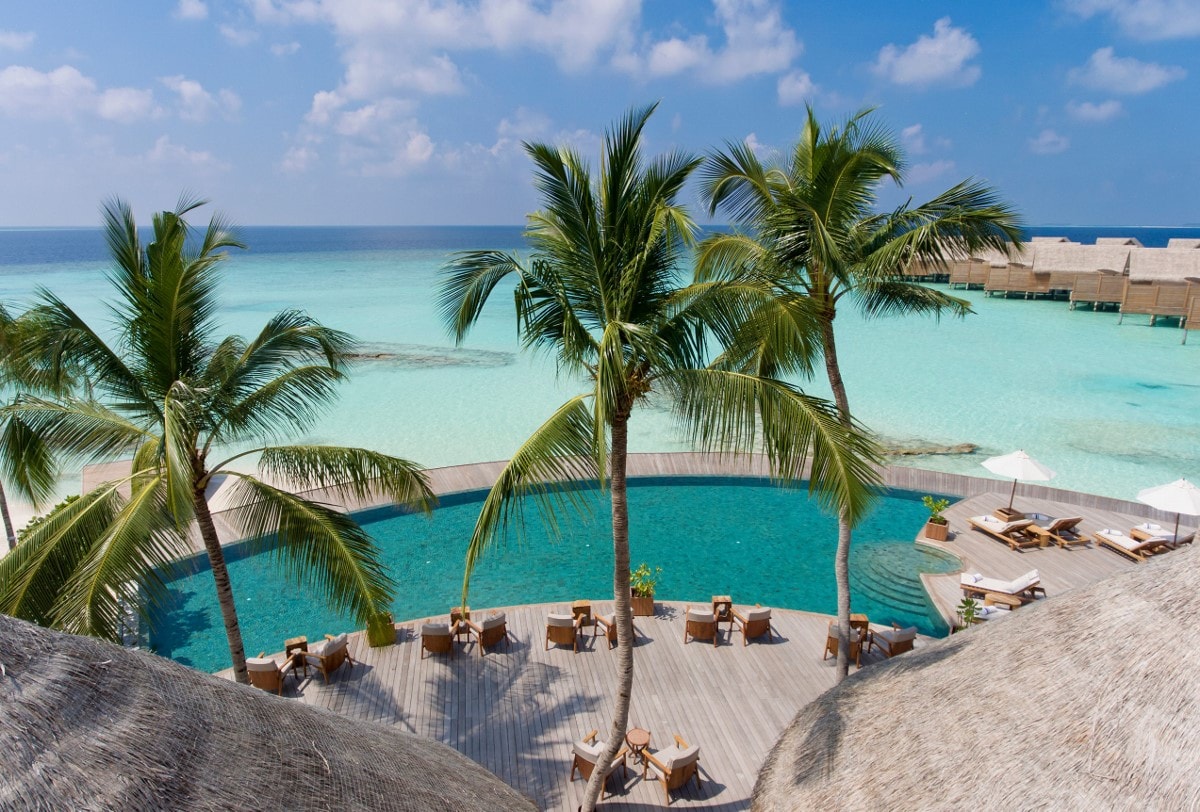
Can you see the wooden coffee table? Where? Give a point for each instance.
(638, 740)
(994, 598)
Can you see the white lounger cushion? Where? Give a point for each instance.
(997, 526)
(560, 620)
(898, 635)
(1121, 540)
(1013, 587)
(763, 613)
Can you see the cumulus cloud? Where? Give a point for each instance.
(926, 172)
(913, 138)
(197, 104)
(285, 48)
(1090, 111)
(1104, 71)
(64, 93)
(241, 37)
(1048, 142)
(796, 87)
(191, 10)
(165, 151)
(16, 40)
(756, 41)
(125, 104)
(941, 59)
(1145, 19)
(298, 159)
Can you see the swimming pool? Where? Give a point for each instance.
(711, 535)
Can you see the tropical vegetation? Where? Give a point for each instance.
(808, 233)
(601, 292)
(190, 407)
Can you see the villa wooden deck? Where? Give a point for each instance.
(517, 711)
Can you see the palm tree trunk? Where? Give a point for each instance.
(216, 560)
(8, 525)
(841, 561)
(623, 610)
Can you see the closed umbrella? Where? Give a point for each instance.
(1175, 497)
(1017, 465)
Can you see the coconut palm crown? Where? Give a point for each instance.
(601, 291)
(809, 235)
(187, 403)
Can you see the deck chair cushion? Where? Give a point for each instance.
(587, 752)
(493, 622)
(701, 616)
(763, 613)
(560, 620)
(899, 635)
(259, 664)
(435, 630)
(684, 757)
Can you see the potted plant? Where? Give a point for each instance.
(967, 610)
(641, 584)
(937, 528)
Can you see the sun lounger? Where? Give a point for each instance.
(1025, 588)
(1015, 533)
(1129, 547)
(1063, 531)
(1147, 530)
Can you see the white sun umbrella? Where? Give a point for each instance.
(1017, 465)
(1175, 497)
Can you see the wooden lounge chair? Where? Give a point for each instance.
(700, 625)
(267, 674)
(490, 631)
(586, 752)
(1129, 547)
(674, 766)
(1063, 531)
(1015, 533)
(609, 624)
(755, 623)
(893, 641)
(1147, 530)
(329, 655)
(437, 638)
(831, 644)
(562, 630)
(1024, 588)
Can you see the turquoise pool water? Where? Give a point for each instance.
(741, 537)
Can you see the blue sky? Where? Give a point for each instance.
(413, 111)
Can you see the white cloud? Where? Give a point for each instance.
(191, 10)
(943, 58)
(914, 139)
(1104, 71)
(757, 147)
(125, 104)
(240, 37)
(1146, 19)
(197, 104)
(285, 48)
(925, 172)
(16, 40)
(574, 32)
(1089, 111)
(298, 159)
(756, 41)
(29, 93)
(164, 151)
(796, 87)
(1048, 142)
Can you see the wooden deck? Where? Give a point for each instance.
(516, 711)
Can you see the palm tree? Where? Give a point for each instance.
(601, 293)
(176, 396)
(809, 234)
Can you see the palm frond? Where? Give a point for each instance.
(469, 279)
(561, 450)
(316, 544)
(897, 297)
(348, 473)
(179, 433)
(78, 430)
(26, 461)
(732, 412)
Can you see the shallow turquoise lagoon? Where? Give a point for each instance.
(745, 538)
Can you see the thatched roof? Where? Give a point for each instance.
(1087, 700)
(1183, 242)
(1000, 259)
(1048, 240)
(1163, 264)
(1130, 241)
(1076, 258)
(88, 725)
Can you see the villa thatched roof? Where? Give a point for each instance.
(1049, 240)
(88, 725)
(1163, 264)
(1130, 241)
(1076, 258)
(1183, 242)
(1087, 700)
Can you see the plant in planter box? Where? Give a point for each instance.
(641, 584)
(967, 612)
(937, 528)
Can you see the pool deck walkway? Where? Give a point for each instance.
(517, 710)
